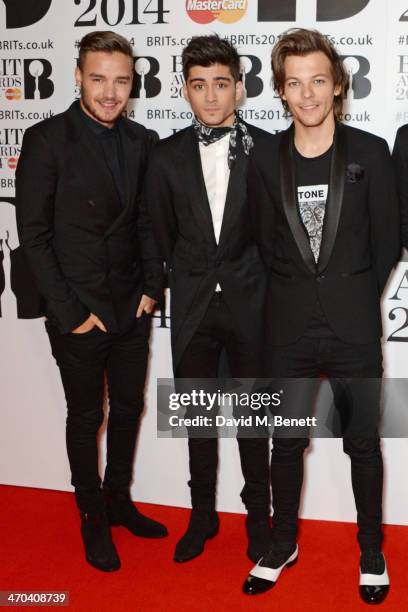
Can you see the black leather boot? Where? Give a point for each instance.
(100, 551)
(203, 526)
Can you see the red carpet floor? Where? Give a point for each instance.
(40, 549)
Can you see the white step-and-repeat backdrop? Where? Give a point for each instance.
(38, 51)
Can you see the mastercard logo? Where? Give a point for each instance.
(13, 93)
(12, 162)
(206, 11)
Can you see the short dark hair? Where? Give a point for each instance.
(106, 41)
(299, 41)
(208, 50)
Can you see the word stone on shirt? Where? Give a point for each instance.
(312, 207)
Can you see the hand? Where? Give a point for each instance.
(146, 304)
(89, 324)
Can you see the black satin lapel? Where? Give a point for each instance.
(334, 197)
(289, 198)
(191, 172)
(236, 197)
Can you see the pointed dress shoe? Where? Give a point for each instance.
(374, 580)
(266, 572)
(203, 526)
(122, 512)
(100, 551)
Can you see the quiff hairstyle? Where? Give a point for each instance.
(208, 50)
(299, 41)
(106, 41)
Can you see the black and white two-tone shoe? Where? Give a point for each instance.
(374, 580)
(264, 575)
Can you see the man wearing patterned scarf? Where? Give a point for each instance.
(196, 192)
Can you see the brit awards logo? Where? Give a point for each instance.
(10, 146)
(251, 67)
(146, 84)
(25, 78)
(23, 13)
(326, 10)
(207, 11)
(357, 67)
(19, 296)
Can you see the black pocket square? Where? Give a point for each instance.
(354, 173)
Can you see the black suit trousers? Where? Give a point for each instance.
(83, 360)
(218, 331)
(311, 357)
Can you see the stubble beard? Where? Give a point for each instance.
(95, 114)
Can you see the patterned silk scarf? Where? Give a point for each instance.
(207, 135)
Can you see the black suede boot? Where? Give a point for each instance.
(122, 511)
(100, 551)
(203, 525)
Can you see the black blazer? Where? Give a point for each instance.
(87, 253)
(177, 200)
(400, 159)
(360, 242)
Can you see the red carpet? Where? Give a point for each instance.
(40, 549)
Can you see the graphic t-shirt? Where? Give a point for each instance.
(312, 183)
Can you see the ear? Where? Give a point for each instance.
(282, 94)
(337, 90)
(239, 91)
(78, 77)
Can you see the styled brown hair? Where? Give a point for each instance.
(106, 41)
(208, 50)
(299, 41)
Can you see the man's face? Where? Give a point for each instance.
(105, 81)
(213, 94)
(309, 89)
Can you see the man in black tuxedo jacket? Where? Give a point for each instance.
(400, 159)
(93, 254)
(196, 194)
(328, 220)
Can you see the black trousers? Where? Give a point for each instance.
(83, 360)
(311, 357)
(217, 331)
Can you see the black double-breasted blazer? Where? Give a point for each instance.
(88, 253)
(360, 241)
(177, 201)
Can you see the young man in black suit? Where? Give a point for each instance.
(400, 159)
(327, 215)
(93, 254)
(196, 194)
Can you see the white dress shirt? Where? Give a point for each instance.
(214, 162)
